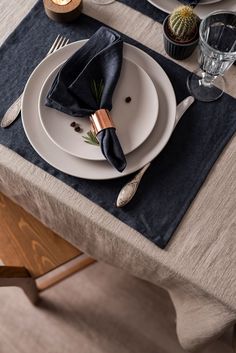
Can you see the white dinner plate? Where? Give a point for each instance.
(208, 2)
(134, 121)
(202, 11)
(98, 170)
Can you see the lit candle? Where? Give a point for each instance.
(61, 2)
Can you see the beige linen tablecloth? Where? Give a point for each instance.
(198, 267)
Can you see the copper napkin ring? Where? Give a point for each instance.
(101, 120)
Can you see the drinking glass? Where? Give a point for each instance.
(103, 2)
(217, 52)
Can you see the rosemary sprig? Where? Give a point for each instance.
(97, 89)
(91, 138)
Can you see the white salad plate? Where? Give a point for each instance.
(134, 121)
(202, 11)
(208, 2)
(98, 170)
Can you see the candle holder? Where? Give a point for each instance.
(63, 10)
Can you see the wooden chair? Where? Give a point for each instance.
(32, 256)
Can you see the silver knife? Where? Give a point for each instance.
(129, 190)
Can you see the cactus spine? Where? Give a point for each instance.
(183, 23)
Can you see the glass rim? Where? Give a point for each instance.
(201, 25)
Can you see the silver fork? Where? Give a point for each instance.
(13, 111)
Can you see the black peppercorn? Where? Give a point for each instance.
(128, 99)
(73, 124)
(77, 128)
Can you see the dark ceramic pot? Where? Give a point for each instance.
(176, 50)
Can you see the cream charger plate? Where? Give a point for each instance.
(134, 121)
(98, 170)
(201, 10)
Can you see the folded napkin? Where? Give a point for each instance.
(85, 83)
(190, 2)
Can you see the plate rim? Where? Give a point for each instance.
(109, 173)
(201, 10)
(209, 3)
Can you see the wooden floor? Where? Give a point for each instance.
(24, 241)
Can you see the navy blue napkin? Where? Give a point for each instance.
(85, 83)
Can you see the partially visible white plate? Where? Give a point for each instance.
(208, 2)
(98, 170)
(202, 11)
(134, 121)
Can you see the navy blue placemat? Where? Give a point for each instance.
(146, 8)
(176, 174)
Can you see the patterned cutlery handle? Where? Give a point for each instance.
(129, 190)
(12, 113)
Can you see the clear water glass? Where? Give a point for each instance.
(217, 52)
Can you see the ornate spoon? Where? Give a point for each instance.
(129, 190)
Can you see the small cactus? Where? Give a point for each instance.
(183, 23)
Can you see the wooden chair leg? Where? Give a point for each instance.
(11, 276)
(64, 271)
